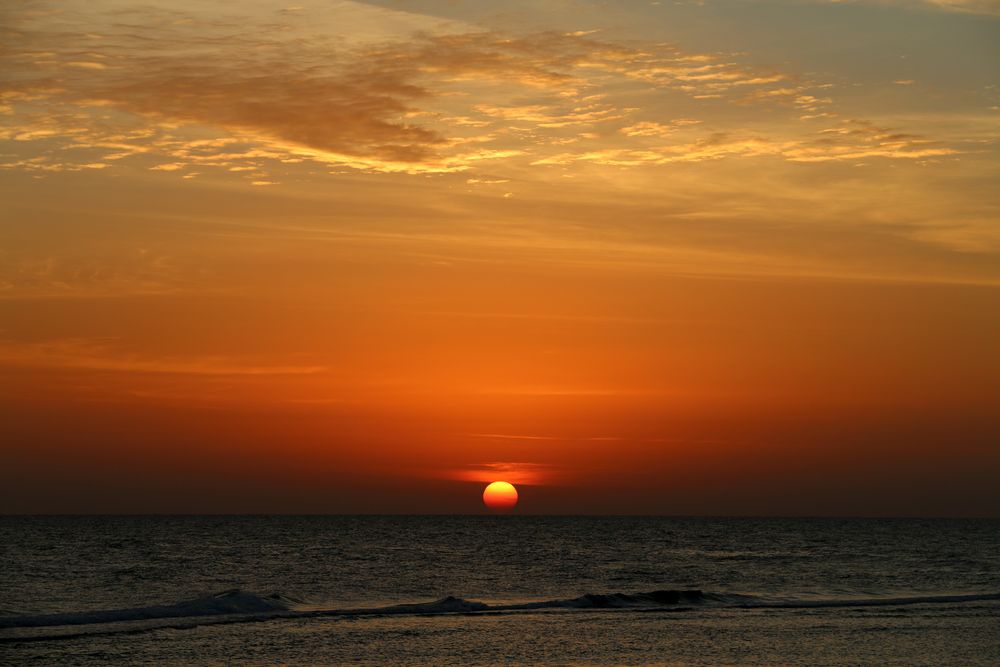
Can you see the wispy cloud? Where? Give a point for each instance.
(984, 7)
(280, 102)
(136, 271)
(266, 102)
(991, 7)
(517, 473)
(92, 355)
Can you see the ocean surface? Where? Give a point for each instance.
(442, 590)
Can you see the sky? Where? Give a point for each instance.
(716, 257)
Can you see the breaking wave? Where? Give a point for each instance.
(225, 603)
(238, 606)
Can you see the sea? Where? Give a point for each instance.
(488, 590)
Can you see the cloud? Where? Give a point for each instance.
(989, 7)
(131, 273)
(92, 355)
(654, 129)
(265, 98)
(851, 140)
(984, 7)
(554, 116)
(517, 473)
(86, 65)
(443, 100)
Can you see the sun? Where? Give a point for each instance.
(500, 496)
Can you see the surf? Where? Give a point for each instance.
(239, 606)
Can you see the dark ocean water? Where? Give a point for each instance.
(488, 590)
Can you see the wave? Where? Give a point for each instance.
(238, 606)
(868, 602)
(620, 600)
(229, 602)
(237, 602)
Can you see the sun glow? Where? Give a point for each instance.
(372, 256)
(500, 496)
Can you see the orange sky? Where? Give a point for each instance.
(708, 257)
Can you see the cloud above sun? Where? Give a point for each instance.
(279, 98)
(171, 92)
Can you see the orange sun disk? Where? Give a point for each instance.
(500, 496)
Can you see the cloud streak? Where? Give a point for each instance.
(147, 94)
(980, 7)
(984, 7)
(517, 473)
(90, 355)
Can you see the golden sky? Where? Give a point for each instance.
(682, 257)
